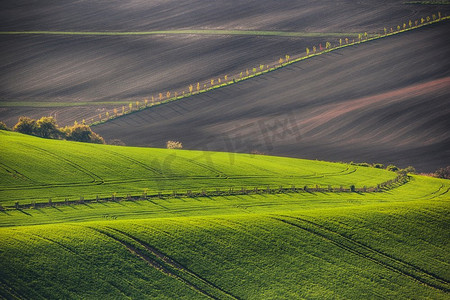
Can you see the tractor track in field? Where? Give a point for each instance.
(78, 255)
(436, 193)
(133, 180)
(172, 262)
(9, 291)
(164, 264)
(132, 160)
(205, 166)
(95, 178)
(436, 277)
(59, 244)
(14, 172)
(400, 267)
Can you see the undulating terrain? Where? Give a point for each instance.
(389, 244)
(77, 77)
(269, 197)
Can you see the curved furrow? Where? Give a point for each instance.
(410, 271)
(156, 264)
(174, 263)
(134, 161)
(95, 178)
(387, 256)
(14, 171)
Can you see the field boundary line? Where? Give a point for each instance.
(227, 191)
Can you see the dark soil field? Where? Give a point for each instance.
(247, 219)
(40, 70)
(137, 15)
(343, 105)
(385, 101)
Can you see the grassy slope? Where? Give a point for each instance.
(312, 245)
(388, 251)
(38, 169)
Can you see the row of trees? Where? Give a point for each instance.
(46, 127)
(215, 82)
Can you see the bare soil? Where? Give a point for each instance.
(385, 101)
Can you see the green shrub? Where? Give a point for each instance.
(82, 133)
(26, 125)
(46, 127)
(363, 164)
(378, 166)
(443, 173)
(3, 126)
(392, 168)
(410, 169)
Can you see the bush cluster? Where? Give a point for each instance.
(4, 127)
(393, 168)
(174, 145)
(443, 173)
(46, 127)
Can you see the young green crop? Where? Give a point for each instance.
(35, 169)
(388, 244)
(383, 250)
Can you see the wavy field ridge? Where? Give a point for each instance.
(100, 170)
(244, 87)
(234, 246)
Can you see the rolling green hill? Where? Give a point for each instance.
(34, 169)
(391, 244)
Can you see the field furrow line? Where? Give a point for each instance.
(432, 194)
(132, 160)
(375, 251)
(57, 243)
(96, 179)
(438, 195)
(14, 172)
(356, 249)
(174, 264)
(7, 292)
(160, 266)
(205, 166)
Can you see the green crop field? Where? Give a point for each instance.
(33, 169)
(389, 244)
